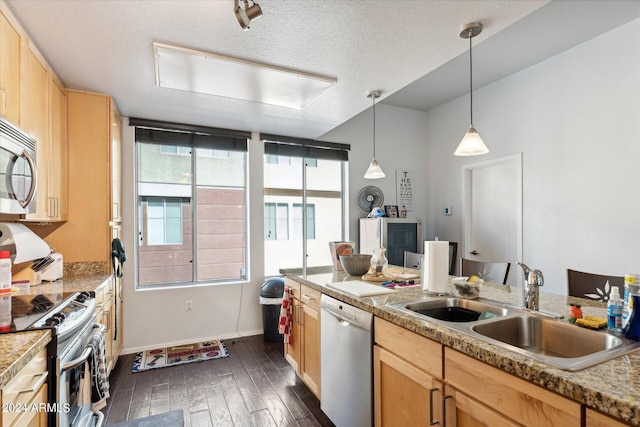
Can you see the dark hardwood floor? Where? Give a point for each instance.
(254, 386)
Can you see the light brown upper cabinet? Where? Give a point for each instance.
(57, 208)
(116, 165)
(45, 119)
(36, 124)
(93, 126)
(10, 41)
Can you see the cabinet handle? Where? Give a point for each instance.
(308, 297)
(36, 384)
(444, 409)
(53, 209)
(431, 422)
(107, 324)
(299, 321)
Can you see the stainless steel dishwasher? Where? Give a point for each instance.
(346, 374)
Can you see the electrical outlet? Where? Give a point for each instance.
(189, 305)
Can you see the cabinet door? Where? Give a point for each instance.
(107, 318)
(117, 307)
(35, 418)
(57, 173)
(293, 351)
(516, 398)
(36, 124)
(116, 164)
(9, 71)
(464, 411)
(597, 419)
(403, 394)
(310, 371)
(28, 386)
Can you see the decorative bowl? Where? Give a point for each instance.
(466, 289)
(356, 264)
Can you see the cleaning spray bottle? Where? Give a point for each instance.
(632, 328)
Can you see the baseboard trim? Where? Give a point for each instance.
(134, 350)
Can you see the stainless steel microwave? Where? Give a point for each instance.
(17, 170)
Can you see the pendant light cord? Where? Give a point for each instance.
(470, 76)
(374, 125)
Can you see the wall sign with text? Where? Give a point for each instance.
(404, 182)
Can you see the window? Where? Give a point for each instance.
(301, 173)
(164, 221)
(276, 224)
(298, 218)
(288, 160)
(191, 187)
(175, 149)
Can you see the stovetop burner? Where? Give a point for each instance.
(19, 312)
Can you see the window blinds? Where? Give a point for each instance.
(308, 148)
(168, 133)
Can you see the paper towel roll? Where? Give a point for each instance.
(22, 242)
(435, 266)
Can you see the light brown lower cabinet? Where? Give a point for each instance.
(404, 395)
(24, 398)
(464, 411)
(303, 354)
(407, 377)
(477, 388)
(596, 419)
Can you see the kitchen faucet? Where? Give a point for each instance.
(533, 279)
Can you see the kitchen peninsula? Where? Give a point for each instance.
(611, 388)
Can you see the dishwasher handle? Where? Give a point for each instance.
(340, 318)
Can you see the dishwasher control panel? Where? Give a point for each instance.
(344, 311)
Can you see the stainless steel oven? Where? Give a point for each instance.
(73, 381)
(72, 321)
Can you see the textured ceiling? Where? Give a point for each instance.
(106, 46)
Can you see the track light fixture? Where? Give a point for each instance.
(471, 144)
(248, 14)
(374, 171)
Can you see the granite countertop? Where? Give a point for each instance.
(17, 349)
(611, 387)
(72, 284)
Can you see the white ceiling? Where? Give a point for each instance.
(410, 50)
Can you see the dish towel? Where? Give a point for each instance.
(98, 370)
(286, 315)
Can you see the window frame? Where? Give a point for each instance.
(218, 140)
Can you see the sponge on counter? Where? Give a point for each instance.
(592, 322)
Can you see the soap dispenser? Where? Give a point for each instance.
(632, 328)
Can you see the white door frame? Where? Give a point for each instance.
(515, 159)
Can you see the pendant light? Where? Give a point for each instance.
(471, 144)
(374, 171)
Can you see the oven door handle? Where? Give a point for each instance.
(85, 353)
(100, 417)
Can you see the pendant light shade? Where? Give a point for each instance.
(471, 144)
(374, 171)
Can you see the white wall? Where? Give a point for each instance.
(576, 119)
(400, 144)
(153, 318)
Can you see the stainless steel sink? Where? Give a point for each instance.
(453, 309)
(555, 342)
